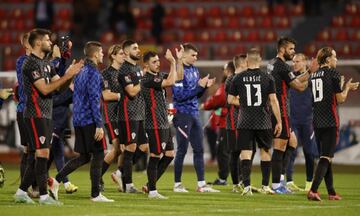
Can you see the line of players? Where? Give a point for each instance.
(133, 102)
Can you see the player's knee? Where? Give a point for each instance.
(245, 154)
(131, 147)
(327, 158)
(170, 153)
(265, 155)
(144, 148)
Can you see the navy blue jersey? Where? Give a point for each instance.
(87, 95)
(22, 98)
(300, 106)
(187, 91)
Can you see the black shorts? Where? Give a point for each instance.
(112, 130)
(85, 141)
(327, 138)
(231, 140)
(286, 127)
(246, 139)
(39, 131)
(24, 137)
(160, 140)
(132, 132)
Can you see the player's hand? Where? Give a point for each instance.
(56, 52)
(6, 93)
(210, 82)
(351, 85)
(278, 128)
(201, 106)
(179, 53)
(74, 68)
(203, 81)
(169, 56)
(99, 134)
(122, 147)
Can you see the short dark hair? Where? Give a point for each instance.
(24, 37)
(323, 54)
(127, 43)
(37, 34)
(284, 41)
(189, 46)
(238, 58)
(148, 55)
(230, 67)
(91, 47)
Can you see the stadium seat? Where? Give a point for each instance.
(183, 12)
(199, 11)
(236, 36)
(338, 21)
(247, 11)
(283, 22)
(352, 9)
(238, 49)
(263, 11)
(356, 35)
(269, 36)
(220, 36)
(342, 35)
(188, 36)
(107, 37)
(266, 22)
(214, 12)
(324, 35)
(204, 36)
(297, 10)
(279, 10)
(234, 23)
(250, 22)
(253, 36)
(230, 11)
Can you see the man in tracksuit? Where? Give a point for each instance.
(186, 121)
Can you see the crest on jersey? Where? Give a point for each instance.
(106, 84)
(163, 145)
(42, 139)
(116, 131)
(35, 74)
(133, 135)
(128, 79)
(269, 68)
(157, 79)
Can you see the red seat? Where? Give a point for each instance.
(356, 35)
(352, 9)
(64, 14)
(250, 22)
(247, 11)
(296, 10)
(263, 11)
(169, 22)
(342, 35)
(253, 36)
(9, 64)
(236, 36)
(107, 37)
(199, 11)
(345, 51)
(214, 12)
(310, 50)
(355, 21)
(230, 11)
(338, 21)
(183, 12)
(169, 37)
(223, 52)
(220, 36)
(188, 36)
(234, 23)
(239, 49)
(279, 10)
(283, 22)
(215, 22)
(266, 22)
(269, 36)
(324, 35)
(204, 36)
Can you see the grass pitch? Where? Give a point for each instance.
(224, 203)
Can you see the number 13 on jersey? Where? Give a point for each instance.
(258, 98)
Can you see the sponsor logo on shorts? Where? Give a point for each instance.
(163, 145)
(116, 131)
(133, 135)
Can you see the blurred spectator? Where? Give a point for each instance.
(86, 20)
(122, 20)
(157, 15)
(44, 14)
